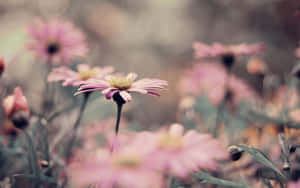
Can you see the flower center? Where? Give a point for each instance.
(87, 74)
(121, 83)
(170, 142)
(127, 161)
(53, 47)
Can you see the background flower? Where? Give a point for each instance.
(56, 41)
(84, 72)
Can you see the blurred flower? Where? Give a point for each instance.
(126, 168)
(122, 86)
(209, 79)
(256, 66)
(180, 154)
(294, 184)
(16, 108)
(216, 49)
(72, 78)
(56, 41)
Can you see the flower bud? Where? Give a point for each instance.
(235, 152)
(16, 108)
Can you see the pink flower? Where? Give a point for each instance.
(56, 41)
(126, 168)
(15, 102)
(178, 153)
(294, 184)
(123, 86)
(72, 78)
(209, 79)
(216, 49)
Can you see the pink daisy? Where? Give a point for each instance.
(126, 168)
(216, 49)
(56, 41)
(72, 78)
(209, 79)
(123, 86)
(180, 154)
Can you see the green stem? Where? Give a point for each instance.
(221, 106)
(119, 106)
(75, 127)
(32, 158)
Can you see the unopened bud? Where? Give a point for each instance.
(235, 152)
(43, 163)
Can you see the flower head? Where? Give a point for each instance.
(216, 49)
(122, 86)
(56, 41)
(72, 78)
(180, 154)
(209, 79)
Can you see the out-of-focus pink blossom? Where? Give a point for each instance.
(294, 184)
(15, 102)
(111, 85)
(178, 153)
(210, 79)
(56, 41)
(84, 72)
(216, 49)
(126, 168)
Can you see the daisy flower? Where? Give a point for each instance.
(119, 88)
(228, 53)
(73, 78)
(209, 79)
(127, 168)
(56, 41)
(123, 86)
(179, 153)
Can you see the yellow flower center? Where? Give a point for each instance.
(127, 161)
(121, 83)
(171, 142)
(87, 74)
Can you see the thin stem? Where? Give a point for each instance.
(118, 117)
(32, 158)
(75, 127)
(221, 106)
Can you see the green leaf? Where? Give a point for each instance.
(261, 157)
(206, 178)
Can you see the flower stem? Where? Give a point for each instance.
(222, 105)
(75, 127)
(119, 106)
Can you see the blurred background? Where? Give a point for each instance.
(152, 38)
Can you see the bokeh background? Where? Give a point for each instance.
(152, 38)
